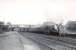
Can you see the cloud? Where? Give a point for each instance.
(37, 11)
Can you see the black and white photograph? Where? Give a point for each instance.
(37, 24)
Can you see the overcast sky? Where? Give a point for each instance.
(37, 11)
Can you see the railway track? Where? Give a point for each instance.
(63, 39)
(53, 41)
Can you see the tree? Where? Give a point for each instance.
(1, 26)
